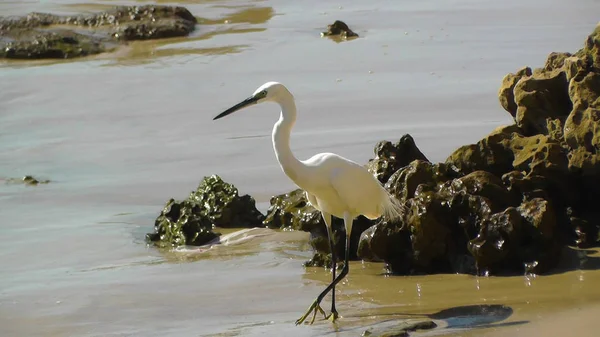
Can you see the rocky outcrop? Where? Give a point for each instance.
(510, 202)
(214, 203)
(42, 35)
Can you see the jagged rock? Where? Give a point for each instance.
(404, 182)
(538, 97)
(518, 239)
(582, 127)
(506, 95)
(391, 157)
(214, 203)
(339, 28)
(556, 61)
(492, 153)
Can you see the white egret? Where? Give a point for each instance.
(334, 185)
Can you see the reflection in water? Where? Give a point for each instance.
(252, 15)
(235, 243)
(140, 52)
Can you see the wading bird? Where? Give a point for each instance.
(334, 185)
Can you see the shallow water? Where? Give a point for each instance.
(120, 134)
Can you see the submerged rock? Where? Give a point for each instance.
(340, 29)
(27, 180)
(214, 203)
(42, 35)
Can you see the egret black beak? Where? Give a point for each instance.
(248, 101)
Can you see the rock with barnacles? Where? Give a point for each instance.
(214, 203)
(44, 36)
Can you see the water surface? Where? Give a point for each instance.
(120, 134)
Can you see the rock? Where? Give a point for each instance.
(591, 50)
(45, 45)
(38, 36)
(389, 242)
(586, 229)
(490, 187)
(573, 66)
(391, 157)
(340, 29)
(404, 182)
(519, 239)
(555, 129)
(27, 180)
(582, 127)
(181, 223)
(506, 95)
(215, 203)
(442, 217)
(556, 61)
(538, 97)
(492, 154)
(292, 211)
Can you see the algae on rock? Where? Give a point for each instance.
(43, 35)
(214, 203)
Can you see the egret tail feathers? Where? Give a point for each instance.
(393, 209)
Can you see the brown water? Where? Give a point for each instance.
(119, 134)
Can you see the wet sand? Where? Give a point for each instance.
(120, 134)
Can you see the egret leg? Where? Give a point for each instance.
(316, 304)
(327, 217)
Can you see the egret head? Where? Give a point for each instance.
(269, 91)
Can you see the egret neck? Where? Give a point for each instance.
(281, 138)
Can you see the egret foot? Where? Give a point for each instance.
(313, 308)
(333, 316)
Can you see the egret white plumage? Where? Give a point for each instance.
(334, 185)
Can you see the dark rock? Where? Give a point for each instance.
(59, 44)
(586, 228)
(215, 203)
(404, 182)
(391, 157)
(519, 239)
(35, 36)
(339, 28)
(181, 223)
